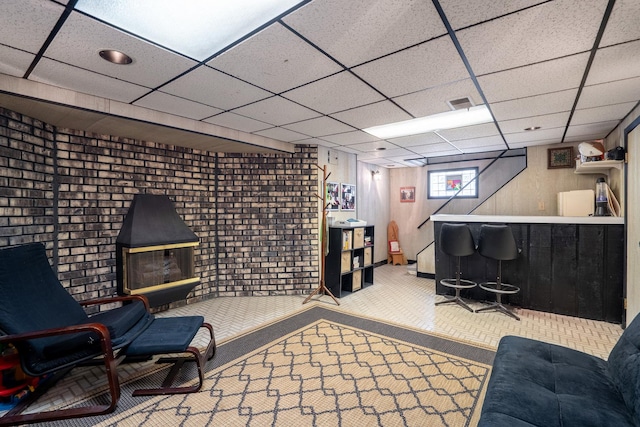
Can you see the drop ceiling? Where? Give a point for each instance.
(326, 69)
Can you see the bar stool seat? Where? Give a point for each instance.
(456, 240)
(497, 242)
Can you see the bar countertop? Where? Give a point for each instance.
(541, 219)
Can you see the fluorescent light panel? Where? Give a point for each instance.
(449, 120)
(195, 28)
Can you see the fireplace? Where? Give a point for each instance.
(155, 252)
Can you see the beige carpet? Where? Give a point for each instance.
(322, 367)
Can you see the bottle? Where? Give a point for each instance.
(602, 203)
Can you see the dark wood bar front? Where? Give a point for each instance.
(571, 266)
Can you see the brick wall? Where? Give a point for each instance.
(255, 214)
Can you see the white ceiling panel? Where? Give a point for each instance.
(519, 39)
(166, 103)
(441, 149)
(412, 141)
(366, 116)
(421, 67)
(356, 31)
(534, 105)
(379, 146)
(516, 145)
(535, 135)
(389, 153)
(320, 126)
(617, 92)
(14, 62)
(434, 100)
(236, 121)
(348, 138)
(547, 121)
(79, 42)
(277, 111)
(299, 63)
(26, 24)
(316, 141)
(591, 130)
(623, 23)
(544, 77)
(66, 76)
(615, 63)
(601, 114)
(346, 89)
(281, 134)
(464, 13)
(211, 87)
(472, 143)
(467, 132)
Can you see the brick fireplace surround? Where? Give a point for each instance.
(256, 215)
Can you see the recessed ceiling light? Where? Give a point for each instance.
(391, 166)
(448, 120)
(115, 57)
(381, 148)
(532, 128)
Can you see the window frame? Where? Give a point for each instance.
(456, 193)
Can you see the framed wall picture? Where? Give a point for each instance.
(407, 194)
(348, 198)
(333, 196)
(560, 158)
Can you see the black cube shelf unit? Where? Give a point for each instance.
(349, 263)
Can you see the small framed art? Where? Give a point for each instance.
(560, 158)
(407, 194)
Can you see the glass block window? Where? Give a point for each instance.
(453, 182)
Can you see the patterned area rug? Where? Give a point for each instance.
(322, 367)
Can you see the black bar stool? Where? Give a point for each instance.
(497, 242)
(456, 240)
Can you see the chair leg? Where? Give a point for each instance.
(498, 306)
(456, 299)
(199, 358)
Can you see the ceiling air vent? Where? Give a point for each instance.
(460, 103)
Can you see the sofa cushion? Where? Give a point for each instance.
(624, 366)
(539, 384)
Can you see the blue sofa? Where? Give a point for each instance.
(539, 384)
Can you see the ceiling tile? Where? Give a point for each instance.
(547, 134)
(379, 113)
(356, 31)
(536, 79)
(281, 134)
(417, 140)
(472, 143)
(484, 148)
(532, 35)
(427, 65)
(14, 62)
(387, 154)
(320, 126)
(35, 18)
(296, 65)
(615, 63)
(335, 93)
(434, 100)
(81, 38)
(464, 13)
(617, 92)
(547, 121)
(476, 131)
(602, 114)
(316, 141)
(516, 145)
(211, 87)
(347, 138)
(160, 101)
(592, 130)
(374, 146)
(440, 148)
(534, 106)
(277, 111)
(79, 80)
(238, 122)
(623, 23)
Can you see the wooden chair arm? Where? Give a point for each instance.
(109, 300)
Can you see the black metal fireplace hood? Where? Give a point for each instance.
(152, 220)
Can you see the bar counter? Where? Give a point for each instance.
(567, 265)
